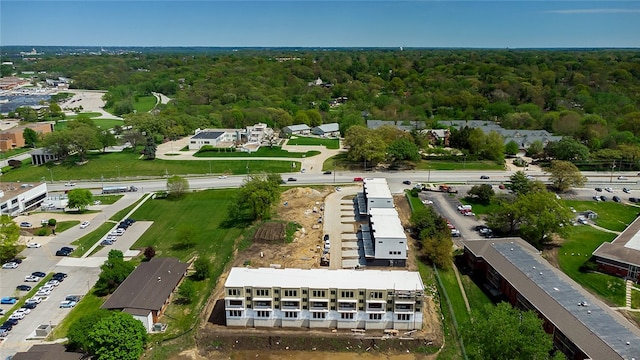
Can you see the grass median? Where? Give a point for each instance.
(313, 141)
(86, 242)
(262, 152)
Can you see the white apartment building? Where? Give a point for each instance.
(254, 134)
(390, 241)
(323, 298)
(377, 193)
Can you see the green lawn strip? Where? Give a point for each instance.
(88, 114)
(129, 164)
(454, 165)
(119, 216)
(576, 250)
(87, 304)
(145, 103)
(12, 152)
(23, 299)
(100, 123)
(448, 278)
(107, 199)
(635, 299)
(262, 152)
(478, 208)
(611, 215)
(61, 226)
(414, 201)
(476, 297)
(86, 242)
(451, 349)
(312, 141)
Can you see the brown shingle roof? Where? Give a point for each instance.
(47, 352)
(148, 286)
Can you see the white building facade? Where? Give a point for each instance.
(18, 198)
(377, 193)
(322, 298)
(390, 241)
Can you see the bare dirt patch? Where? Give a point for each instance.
(270, 232)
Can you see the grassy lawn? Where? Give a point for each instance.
(576, 250)
(122, 213)
(86, 242)
(310, 141)
(88, 114)
(13, 152)
(101, 123)
(87, 304)
(479, 209)
(611, 215)
(453, 165)
(145, 103)
(262, 152)
(65, 225)
(107, 199)
(635, 299)
(454, 294)
(477, 298)
(129, 165)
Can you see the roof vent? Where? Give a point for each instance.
(556, 289)
(159, 278)
(540, 273)
(628, 343)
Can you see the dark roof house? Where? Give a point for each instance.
(47, 352)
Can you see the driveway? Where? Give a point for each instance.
(334, 224)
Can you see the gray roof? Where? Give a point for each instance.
(148, 286)
(596, 329)
(47, 352)
(523, 138)
(325, 128)
(299, 127)
(402, 125)
(208, 135)
(617, 249)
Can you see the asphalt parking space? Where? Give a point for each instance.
(126, 240)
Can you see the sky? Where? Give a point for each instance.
(322, 23)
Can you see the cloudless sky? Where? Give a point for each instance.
(324, 23)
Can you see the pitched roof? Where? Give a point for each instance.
(148, 286)
(599, 331)
(47, 352)
(299, 127)
(331, 127)
(625, 248)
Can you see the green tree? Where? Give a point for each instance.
(106, 139)
(80, 329)
(565, 175)
(79, 199)
(30, 137)
(117, 337)
(520, 184)
(483, 193)
(9, 235)
(58, 143)
(568, 149)
(255, 197)
(133, 137)
(511, 148)
(493, 147)
(365, 146)
(186, 292)
(202, 267)
(149, 253)
(403, 149)
(150, 149)
(535, 149)
(434, 235)
(177, 186)
(114, 270)
(502, 332)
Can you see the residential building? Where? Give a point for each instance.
(14, 138)
(377, 194)
(146, 292)
(582, 326)
(16, 198)
(323, 298)
(47, 352)
(327, 130)
(254, 135)
(621, 257)
(402, 125)
(300, 129)
(524, 138)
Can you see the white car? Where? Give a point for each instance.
(47, 287)
(427, 202)
(33, 245)
(23, 311)
(17, 315)
(70, 184)
(34, 299)
(52, 283)
(31, 278)
(43, 293)
(120, 232)
(222, 177)
(10, 265)
(84, 224)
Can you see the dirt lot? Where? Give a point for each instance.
(297, 204)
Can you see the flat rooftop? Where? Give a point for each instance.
(208, 134)
(325, 279)
(13, 189)
(376, 188)
(625, 248)
(385, 223)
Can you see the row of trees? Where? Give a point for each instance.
(434, 236)
(254, 199)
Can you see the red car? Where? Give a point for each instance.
(358, 179)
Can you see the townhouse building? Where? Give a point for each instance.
(323, 298)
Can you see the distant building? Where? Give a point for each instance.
(402, 125)
(524, 138)
(11, 82)
(327, 130)
(14, 138)
(42, 156)
(253, 136)
(16, 198)
(300, 129)
(322, 298)
(147, 291)
(621, 257)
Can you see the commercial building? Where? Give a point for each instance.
(582, 326)
(14, 138)
(621, 257)
(301, 129)
(322, 298)
(146, 292)
(16, 198)
(327, 130)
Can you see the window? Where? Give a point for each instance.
(263, 314)
(346, 306)
(346, 294)
(291, 293)
(290, 314)
(235, 313)
(375, 306)
(375, 316)
(319, 315)
(235, 302)
(376, 294)
(319, 293)
(404, 307)
(291, 304)
(262, 292)
(404, 317)
(361, 293)
(233, 292)
(346, 316)
(262, 303)
(319, 305)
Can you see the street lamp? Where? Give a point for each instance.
(613, 166)
(51, 172)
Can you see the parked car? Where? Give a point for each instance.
(598, 189)
(67, 304)
(34, 299)
(47, 287)
(603, 198)
(16, 260)
(292, 179)
(484, 177)
(23, 311)
(120, 232)
(622, 178)
(634, 200)
(626, 190)
(326, 237)
(26, 224)
(53, 283)
(608, 189)
(23, 287)
(16, 315)
(358, 179)
(596, 198)
(67, 248)
(30, 305)
(616, 199)
(10, 265)
(327, 172)
(106, 242)
(58, 276)
(84, 224)
(31, 278)
(75, 298)
(3, 332)
(38, 274)
(33, 245)
(407, 182)
(63, 253)
(7, 326)
(43, 292)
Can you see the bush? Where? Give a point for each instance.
(42, 232)
(202, 267)
(15, 163)
(52, 222)
(149, 253)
